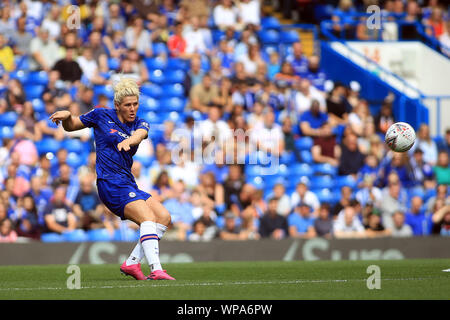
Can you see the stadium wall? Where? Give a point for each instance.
(262, 250)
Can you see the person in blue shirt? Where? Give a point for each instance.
(301, 222)
(298, 60)
(118, 133)
(416, 218)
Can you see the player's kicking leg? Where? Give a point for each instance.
(151, 231)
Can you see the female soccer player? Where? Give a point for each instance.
(117, 134)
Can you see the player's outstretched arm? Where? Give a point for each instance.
(134, 140)
(69, 122)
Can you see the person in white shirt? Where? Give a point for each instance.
(250, 12)
(426, 144)
(89, 66)
(347, 225)
(52, 23)
(226, 15)
(303, 195)
(306, 94)
(137, 37)
(213, 127)
(194, 36)
(268, 136)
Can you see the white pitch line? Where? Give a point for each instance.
(215, 284)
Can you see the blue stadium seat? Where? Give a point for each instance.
(174, 76)
(269, 37)
(321, 182)
(306, 156)
(173, 90)
(157, 76)
(217, 35)
(289, 37)
(73, 145)
(6, 132)
(38, 105)
(252, 170)
(171, 116)
(270, 23)
(324, 169)
(152, 90)
(429, 193)
(148, 104)
(99, 235)
(172, 104)
(8, 119)
(20, 75)
(301, 169)
(48, 145)
(287, 158)
(256, 182)
(304, 143)
(52, 237)
(76, 235)
(106, 90)
(325, 195)
(160, 48)
(113, 63)
(151, 117)
(74, 160)
(155, 63)
(177, 64)
(38, 77)
(33, 91)
(126, 234)
(416, 192)
(348, 181)
(145, 161)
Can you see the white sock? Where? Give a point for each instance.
(150, 244)
(160, 230)
(136, 255)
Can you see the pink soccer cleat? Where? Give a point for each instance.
(159, 275)
(133, 270)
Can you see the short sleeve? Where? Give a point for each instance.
(90, 119)
(142, 124)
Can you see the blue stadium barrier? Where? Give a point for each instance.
(76, 235)
(301, 169)
(304, 143)
(52, 237)
(324, 169)
(152, 90)
(33, 91)
(6, 132)
(48, 145)
(38, 105)
(73, 145)
(8, 119)
(148, 104)
(173, 90)
(322, 182)
(99, 235)
(157, 63)
(38, 78)
(174, 76)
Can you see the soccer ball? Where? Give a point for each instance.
(400, 137)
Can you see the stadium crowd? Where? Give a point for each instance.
(206, 75)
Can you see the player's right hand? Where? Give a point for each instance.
(60, 116)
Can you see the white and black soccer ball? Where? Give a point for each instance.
(400, 137)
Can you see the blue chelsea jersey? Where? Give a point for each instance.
(109, 131)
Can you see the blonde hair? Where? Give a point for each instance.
(125, 87)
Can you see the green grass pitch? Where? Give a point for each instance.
(400, 279)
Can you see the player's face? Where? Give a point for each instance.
(127, 110)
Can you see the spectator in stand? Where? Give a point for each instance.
(7, 25)
(421, 170)
(177, 43)
(351, 159)
(435, 25)
(89, 66)
(226, 15)
(234, 183)
(214, 127)
(28, 120)
(301, 222)
(199, 232)
(68, 68)
(138, 38)
(204, 94)
(23, 146)
(7, 233)
(416, 218)
(441, 219)
(360, 117)
(306, 95)
(444, 39)
(44, 51)
(374, 227)
(87, 206)
(249, 12)
(444, 144)
(441, 194)
(337, 106)
(303, 195)
(58, 216)
(428, 146)
(268, 136)
(252, 60)
(194, 75)
(343, 19)
(315, 74)
(27, 224)
(181, 212)
(348, 225)
(21, 39)
(392, 202)
(6, 55)
(98, 49)
(400, 228)
(323, 225)
(196, 42)
(287, 74)
(442, 169)
(298, 60)
(344, 201)
(385, 118)
(400, 165)
(231, 230)
(368, 193)
(273, 66)
(271, 224)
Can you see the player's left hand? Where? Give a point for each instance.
(124, 145)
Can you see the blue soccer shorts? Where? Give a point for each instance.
(116, 194)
